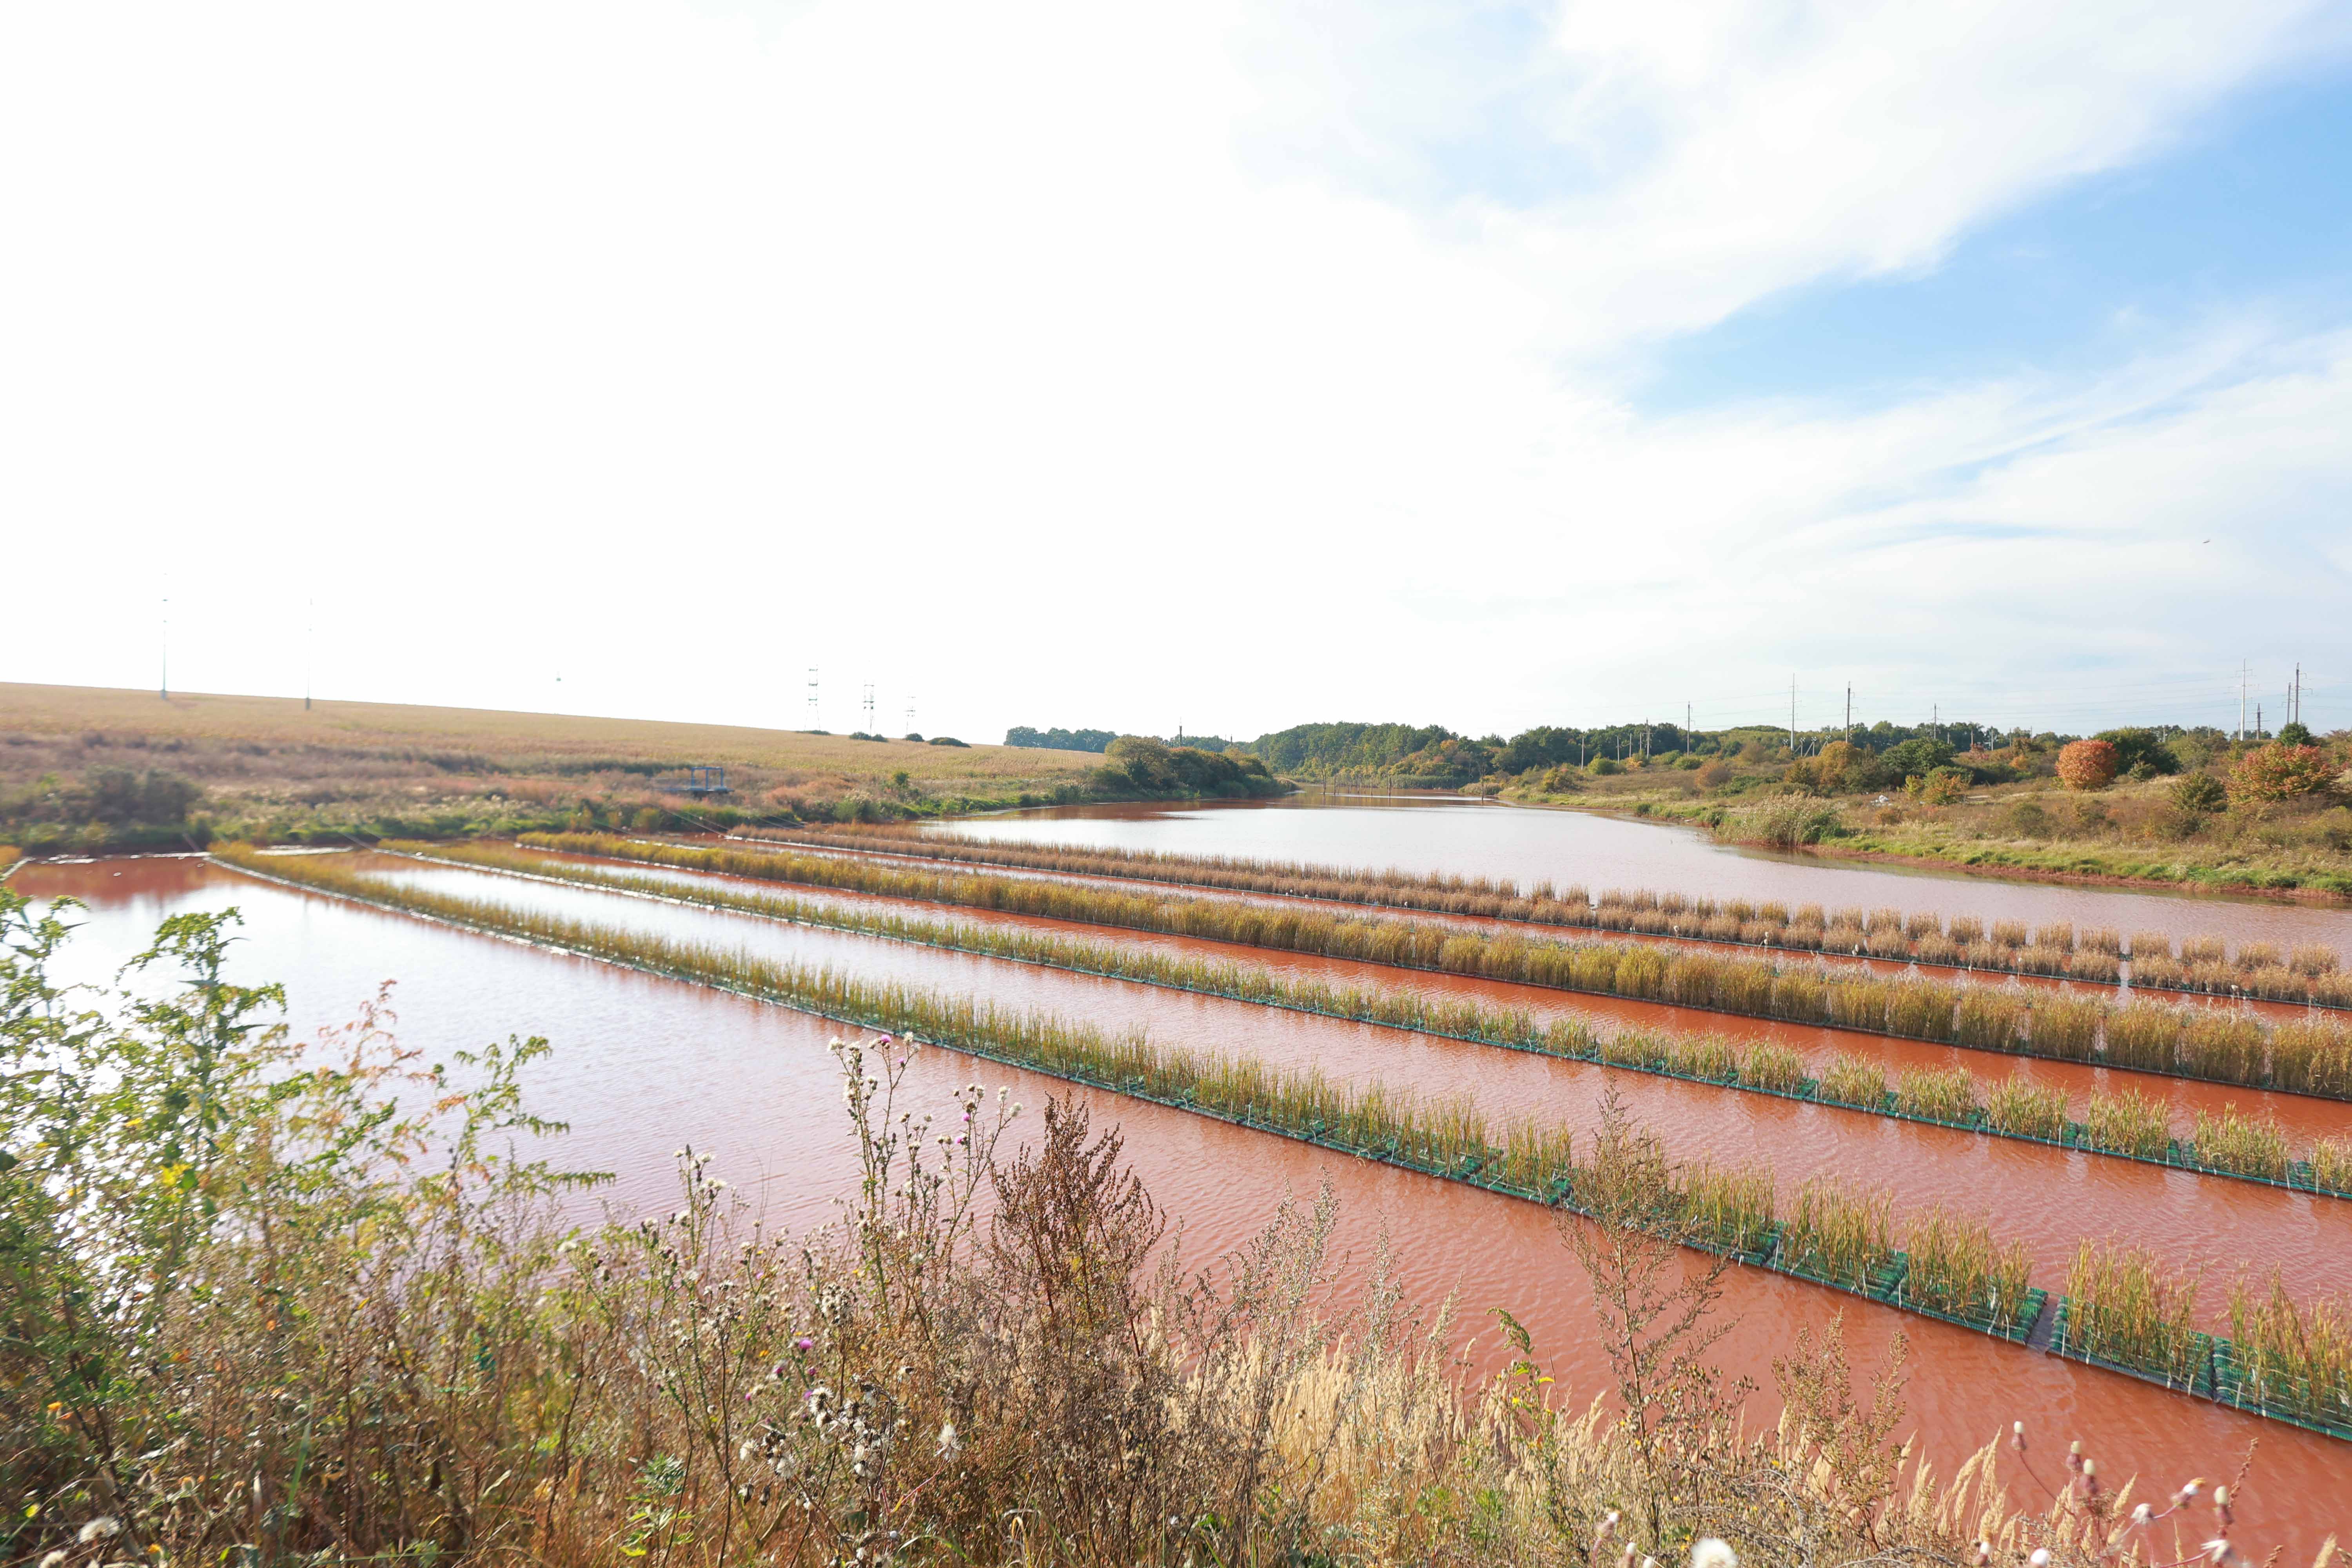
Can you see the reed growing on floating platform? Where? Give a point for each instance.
(2029, 1109)
(2242, 1143)
(2123, 1307)
(1956, 1267)
(1729, 1209)
(2331, 1164)
(1986, 1018)
(2128, 1124)
(1774, 1067)
(1949, 1095)
(2293, 1359)
(1839, 1234)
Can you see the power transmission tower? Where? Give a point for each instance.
(2241, 700)
(812, 699)
(164, 672)
(910, 714)
(868, 703)
(1849, 712)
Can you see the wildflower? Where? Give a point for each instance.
(2017, 1436)
(98, 1529)
(803, 1343)
(2189, 1493)
(2220, 1552)
(1984, 1553)
(1711, 1552)
(950, 1444)
(2041, 1558)
(54, 1558)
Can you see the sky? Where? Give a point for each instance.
(1222, 366)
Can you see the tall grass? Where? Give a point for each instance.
(2123, 1306)
(2245, 1145)
(1957, 1267)
(2128, 1124)
(1774, 1067)
(1949, 1095)
(1851, 1080)
(1984, 1017)
(1729, 1210)
(2331, 1164)
(1839, 1234)
(2312, 1056)
(2291, 1359)
(1922, 935)
(2018, 1105)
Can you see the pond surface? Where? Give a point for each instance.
(1460, 836)
(645, 1066)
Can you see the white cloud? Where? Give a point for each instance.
(1066, 364)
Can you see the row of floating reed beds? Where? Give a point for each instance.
(2125, 1124)
(2309, 1055)
(1833, 1235)
(2201, 965)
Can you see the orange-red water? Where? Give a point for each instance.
(2302, 1118)
(1526, 846)
(642, 1065)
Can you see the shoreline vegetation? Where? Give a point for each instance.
(2169, 804)
(262, 1309)
(2312, 1055)
(1832, 1237)
(90, 771)
(2125, 1125)
(2203, 964)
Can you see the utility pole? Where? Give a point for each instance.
(164, 673)
(812, 699)
(2241, 700)
(910, 712)
(1849, 712)
(310, 639)
(868, 703)
(1793, 717)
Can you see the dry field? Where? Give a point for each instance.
(269, 766)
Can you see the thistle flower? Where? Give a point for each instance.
(950, 1444)
(98, 1529)
(1712, 1551)
(2041, 1558)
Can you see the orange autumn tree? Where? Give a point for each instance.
(2283, 773)
(2087, 764)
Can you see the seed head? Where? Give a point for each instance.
(1711, 1552)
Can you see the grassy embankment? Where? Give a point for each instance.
(84, 769)
(983, 1361)
(2124, 1123)
(2223, 1046)
(2130, 832)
